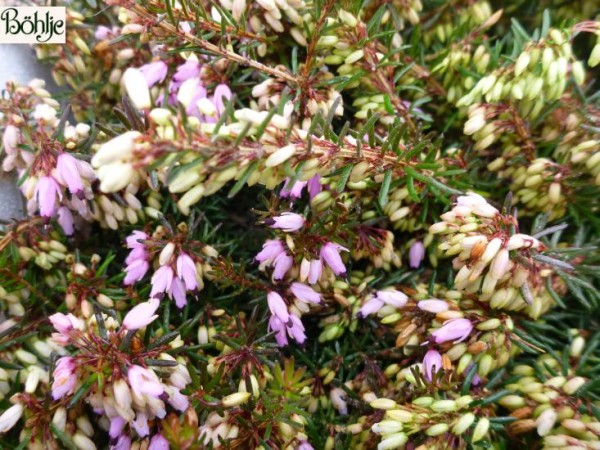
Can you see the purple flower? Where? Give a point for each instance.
(433, 305)
(393, 298)
(177, 292)
(186, 270)
(287, 222)
(279, 328)
(65, 378)
(123, 443)
(154, 72)
(304, 445)
(314, 186)
(47, 191)
(67, 170)
(187, 70)
(456, 330)
(416, 255)
(432, 362)
(271, 250)
(141, 315)
(135, 270)
(177, 400)
(295, 191)
(117, 424)
(316, 269)
(65, 220)
(158, 442)
(281, 265)
(330, 253)
(64, 323)
(133, 240)
(140, 424)
(161, 281)
(278, 307)
(305, 293)
(222, 92)
(103, 32)
(371, 306)
(296, 331)
(144, 381)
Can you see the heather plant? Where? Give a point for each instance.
(305, 224)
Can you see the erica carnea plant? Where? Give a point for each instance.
(305, 224)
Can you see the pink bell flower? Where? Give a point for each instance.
(416, 255)
(288, 222)
(186, 270)
(144, 381)
(456, 330)
(47, 193)
(141, 315)
(432, 363)
(278, 307)
(305, 293)
(330, 253)
(154, 72)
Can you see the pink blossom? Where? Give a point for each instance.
(64, 323)
(141, 315)
(393, 298)
(296, 331)
(178, 400)
(144, 381)
(277, 306)
(305, 293)
(371, 306)
(136, 271)
(161, 281)
(117, 424)
(316, 269)
(187, 70)
(103, 32)
(287, 222)
(66, 221)
(158, 442)
(46, 192)
(154, 72)
(67, 170)
(222, 92)
(416, 255)
(432, 362)
(65, 378)
(330, 253)
(140, 424)
(279, 328)
(177, 292)
(456, 330)
(305, 445)
(433, 305)
(271, 250)
(294, 191)
(123, 443)
(314, 186)
(133, 240)
(282, 264)
(186, 270)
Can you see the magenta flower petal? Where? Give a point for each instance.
(305, 293)
(288, 222)
(222, 92)
(141, 315)
(158, 442)
(177, 292)
(47, 191)
(416, 255)
(186, 270)
(154, 72)
(282, 264)
(271, 250)
(330, 254)
(144, 381)
(68, 170)
(432, 362)
(278, 307)
(135, 271)
(456, 330)
(278, 327)
(371, 306)
(161, 280)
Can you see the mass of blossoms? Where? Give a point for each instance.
(305, 225)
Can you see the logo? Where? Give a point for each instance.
(33, 25)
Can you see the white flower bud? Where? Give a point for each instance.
(281, 155)
(137, 88)
(545, 422)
